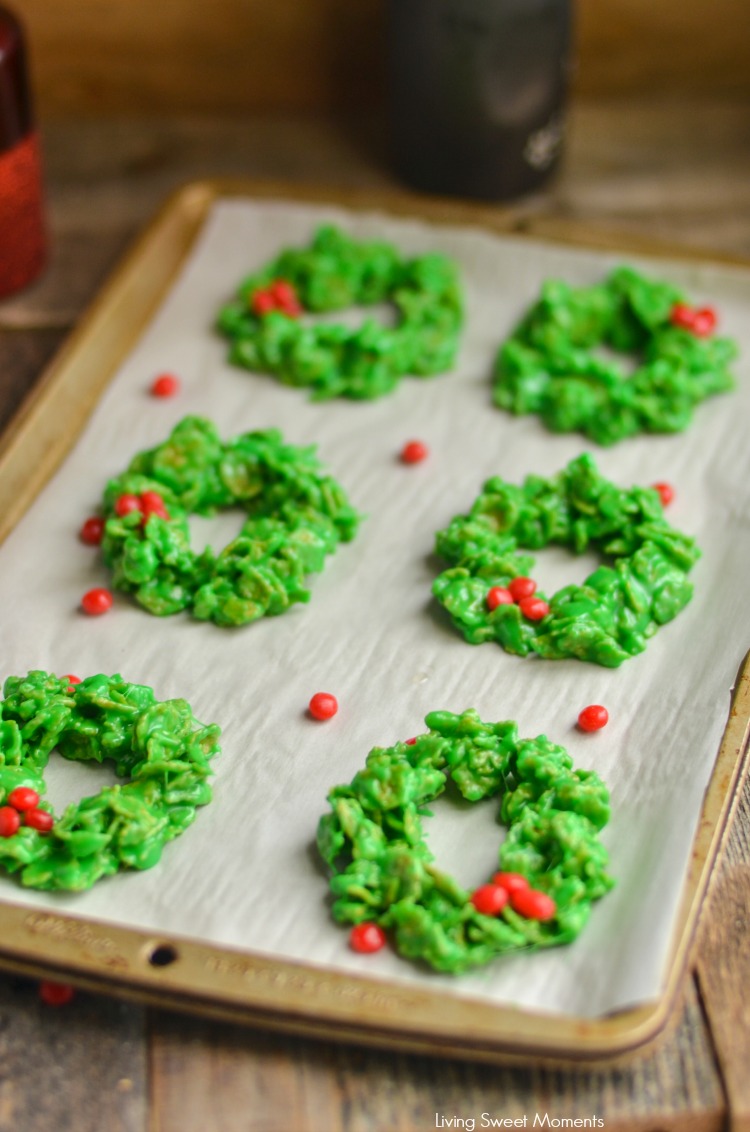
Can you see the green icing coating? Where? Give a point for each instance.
(383, 870)
(547, 365)
(335, 272)
(617, 608)
(296, 516)
(159, 747)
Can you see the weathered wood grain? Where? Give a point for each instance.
(216, 1077)
(631, 164)
(77, 1068)
(235, 56)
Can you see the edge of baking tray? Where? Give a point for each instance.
(186, 975)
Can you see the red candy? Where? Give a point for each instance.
(533, 608)
(39, 820)
(23, 798)
(511, 882)
(125, 504)
(498, 596)
(701, 322)
(682, 315)
(520, 588)
(533, 904)
(165, 385)
(593, 718)
(704, 322)
(323, 705)
(55, 994)
(153, 504)
(285, 298)
(411, 742)
(97, 601)
(10, 821)
(92, 531)
(367, 937)
(489, 899)
(414, 452)
(666, 492)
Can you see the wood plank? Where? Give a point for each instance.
(77, 1068)
(630, 165)
(210, 1075)
(134, 56)
(723, 966)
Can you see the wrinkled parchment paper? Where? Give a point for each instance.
(246, 874)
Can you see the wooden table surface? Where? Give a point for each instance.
(675, 170)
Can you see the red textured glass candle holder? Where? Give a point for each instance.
(23, 238)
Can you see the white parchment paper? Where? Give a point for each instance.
(246, 874)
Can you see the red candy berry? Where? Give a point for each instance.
(533, 904)
(39, 820)
(56, 994)
(367, 937)
(10, 821)
(489, 899)
(682, 315)
(92, 531)
(285, 298)
(704, 322)
(23, 798)
(323, 705)
(97, 601)
(511, 882)
(411, 742)
(498, 596)
(152, 504)
(72, 681)
(165, 385)
(414, 452)
(666, 492)
(262, 303)
(593, 718)
(520, 588)
(125, 504)
(533, 608)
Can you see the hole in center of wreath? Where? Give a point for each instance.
(385, 314)
(555, 567)
(626, 361)
(216, 530)
(464, 837)
(69, 780)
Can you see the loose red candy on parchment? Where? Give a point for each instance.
(367, 937)
(593, 718)
(413, 452)
(323, 706)
(92, 531)
(165, 385)
(97, 601)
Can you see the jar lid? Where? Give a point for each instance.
(15, 100)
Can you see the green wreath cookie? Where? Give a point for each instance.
(617, 608)
(550, 366)
(296, 516)
(383, 871)
(268, 336)
(158, 747)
